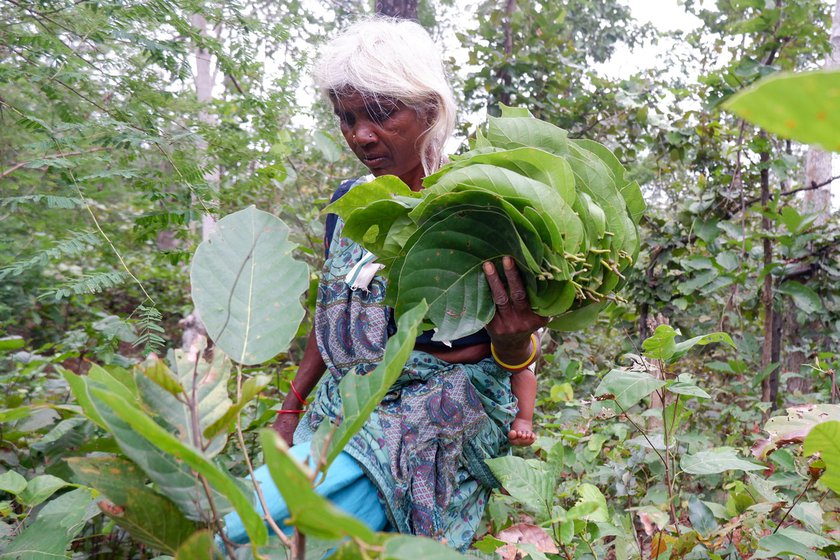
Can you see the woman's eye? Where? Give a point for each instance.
(380, 115)
(346, 119)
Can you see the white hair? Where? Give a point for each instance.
(393, 58)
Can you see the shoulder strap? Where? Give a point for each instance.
(332, 219)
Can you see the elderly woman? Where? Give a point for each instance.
(418, 465)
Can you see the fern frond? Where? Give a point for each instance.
(80, 243)
(88, 284)
(149, 319)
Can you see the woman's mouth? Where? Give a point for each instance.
(373, 162)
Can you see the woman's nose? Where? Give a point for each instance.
(363, 134)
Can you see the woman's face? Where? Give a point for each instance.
(383, 133)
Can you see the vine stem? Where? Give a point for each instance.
(242, 447)
(793, 505)
(105, 235)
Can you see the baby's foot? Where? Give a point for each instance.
(521, 432)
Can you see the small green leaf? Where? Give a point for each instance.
(717, 460)
(590, 494)
(40, 488)
(12, 482)
(156, 370)
(8, 343)
(408, 547)
(628, 387)
(803, 297)
(200, 546)
(54, 528)
(684, 385)
(701, 517)
(250, 389)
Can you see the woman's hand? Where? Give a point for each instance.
(511, 327)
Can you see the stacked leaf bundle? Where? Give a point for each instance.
(560, 207)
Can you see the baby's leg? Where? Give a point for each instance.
(524, 387)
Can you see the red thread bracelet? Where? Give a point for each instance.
(281, 411)
(301, 400)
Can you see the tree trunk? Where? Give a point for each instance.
(405, 9)
(770, 384)
(503, 74)
(204, 81)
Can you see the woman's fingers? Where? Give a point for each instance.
(497, 288)
(518, 295)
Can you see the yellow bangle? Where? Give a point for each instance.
(531, 359)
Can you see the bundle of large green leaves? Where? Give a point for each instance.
(560, 207)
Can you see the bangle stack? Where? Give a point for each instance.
(514, 368)
(300, 399)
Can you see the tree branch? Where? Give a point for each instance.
(17, 166)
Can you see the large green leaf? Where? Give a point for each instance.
(717, 460)
(529, 481)
(247, 287)
(360, 394)
(825, 439)
(628, 387)
(203, 390)
(801, 106)
(54, 528)
(148, 517)
(309, 512)
(145, 427)
(443, 265)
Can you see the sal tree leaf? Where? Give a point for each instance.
(247, 287)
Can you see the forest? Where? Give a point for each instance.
(696, 416)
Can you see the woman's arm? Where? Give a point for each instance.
(310, 370)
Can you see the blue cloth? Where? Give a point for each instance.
(346, 486)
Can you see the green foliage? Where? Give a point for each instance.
(823, 438)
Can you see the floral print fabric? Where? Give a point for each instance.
(424, 446)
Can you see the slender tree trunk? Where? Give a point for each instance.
(503, 73)
(204, 81)
(406, 9)
(770, 384)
